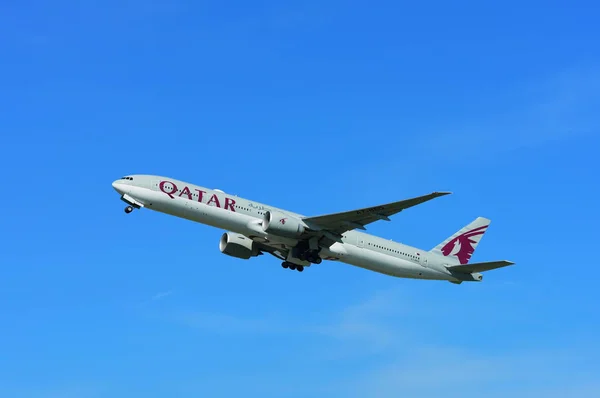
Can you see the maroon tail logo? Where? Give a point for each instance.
(464, 243)
(282, 220)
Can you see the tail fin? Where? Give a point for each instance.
(460, 247)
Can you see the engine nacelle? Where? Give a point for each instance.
(280, 224)
(237, 245)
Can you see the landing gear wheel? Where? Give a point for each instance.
(300, 268)
(128, 209)
(313, 258)
(292, 266)
(284, 264)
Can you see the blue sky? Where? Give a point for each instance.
(317, 107)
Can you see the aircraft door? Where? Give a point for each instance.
(422, 259)
(154, 185)
(360, 242)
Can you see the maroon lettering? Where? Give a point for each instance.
(214, 199)
(163, 187)
(186, 191)
(229, 204)
(200, 193)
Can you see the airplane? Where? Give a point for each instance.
(299, 241)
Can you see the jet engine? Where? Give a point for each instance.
(280, 224)
(237, 245)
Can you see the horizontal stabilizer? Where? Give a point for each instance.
(479, 267)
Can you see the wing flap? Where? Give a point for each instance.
(348, 220)
(480, 267)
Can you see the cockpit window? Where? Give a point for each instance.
(127, 178)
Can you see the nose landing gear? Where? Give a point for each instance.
(132, 203)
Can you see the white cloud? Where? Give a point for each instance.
(161, 295)
(403, 359)
(33, 390)
(228, 324)
(562, 107)
(464, 372)
(357, 322)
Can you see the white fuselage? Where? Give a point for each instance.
(243, 216)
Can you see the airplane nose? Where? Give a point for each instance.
(118, 186)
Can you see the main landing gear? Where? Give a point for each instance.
(292, 266)
(311, 257)
(128, 209)
(307, 251)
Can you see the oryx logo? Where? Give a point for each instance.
(462, 245)
(282, 220)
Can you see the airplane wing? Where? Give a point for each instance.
(338, 223)
(278, 250)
